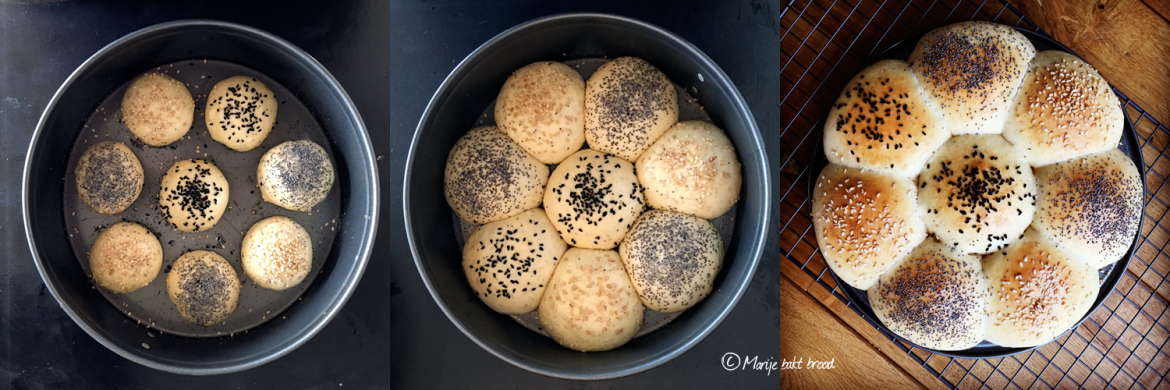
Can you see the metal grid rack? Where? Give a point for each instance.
(1122, 344)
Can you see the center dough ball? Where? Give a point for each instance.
(204, 287)
(158, 109)
(542, 108)
(240, 112)
(508, 263)
(589, 304)
(194, 195)
(277, 253)
(628, 105)
(593, 198)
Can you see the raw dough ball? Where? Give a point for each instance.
(692, 169)
(628, 105)
(882, 121)
(508, 262)
(672, 259)
(865, 221)
(489, 177)
(125, 257)
(593, 198)
(977, 194)
(109, 177)
(935, 298)
(204, 287)
(1090, 206)
(589, 304)
(277, 253)
(158, 109)
(295, 175)
(240, 112)
(194, 195)
(542, 108)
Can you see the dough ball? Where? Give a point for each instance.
(977, 194)
(628, 105)
(971, 72)
(489, 177)
(109, 177)
(125, 257)
(277, 253)
(1038, 291)
(593, 198)
(295, 175)
(589, 304)
(672, 259)
(542, 108)
(240, 112)
(1064, 110)
(692, 169)
(1090, 206)
(508, 263)
(204, 287)
(158, 109)
(935, 298)
(865, 221)
(882, 121)
(194, 195)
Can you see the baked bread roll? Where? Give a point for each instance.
(125, 257)
(935, 298)
(883, 122)
(865, 221)
(240, 112)
(672, 259)
(628, 105)
(691, 169)
(593, 198)
(489, 178)
(157, 109)
(277, 253)
(589, 304)
(109, 177)
(296, 175)
(542, 108)
(194, 195)
(971, 72)
(1090, 206)
(1038, 291)
(1064, 110)
(204, 287)
(508, 263)
(977, 194)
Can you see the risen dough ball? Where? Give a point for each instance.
(158, 109)
(865, 221)
(593, 198)
(240, 112)
(1038, 291)
(125, 257)
(672, 259)
(882, 121)
(489, 177)
(628, 105)
(1090, 206)
(935, 298)
(204, 287)
(508, 262)
(977, 194)
(295, 175)
(589, 304)
(1064, 110)
(692, 169)
(109, 177)
(194, 195)
(971, 72)
(277, 253)
(542, 108)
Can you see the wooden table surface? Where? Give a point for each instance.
(1124, 342)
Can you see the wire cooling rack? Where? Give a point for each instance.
(1123, 344)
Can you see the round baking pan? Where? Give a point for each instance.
(586, 40)
(141, 326)
(1108, 275)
